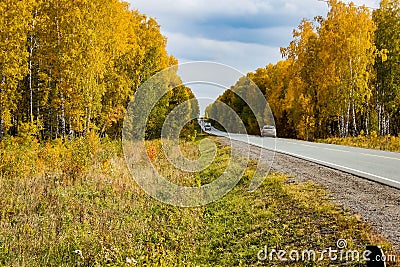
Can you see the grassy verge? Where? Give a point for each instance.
(77, 205)
(388, 143)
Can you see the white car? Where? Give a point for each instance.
(268, 130)
(207, 126)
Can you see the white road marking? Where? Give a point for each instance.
(317, 147)
(364, 174)
(367, 175)
(344, 168)
(345, 151)
(378, 156)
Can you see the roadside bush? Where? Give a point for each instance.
(18, 157)
(75, 158)
(25, 157)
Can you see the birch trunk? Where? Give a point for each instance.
(387, 125)
(347, 120)
(354, 119)
(341, 125)
(30, 80)
(63, 123)
(87, 122)
(30, 64)
(367, 120)
(380, 119)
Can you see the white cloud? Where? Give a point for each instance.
(199, 8)
(243, 56)
(253, 21)
(203, 8)
(367, 3)
(244, 34)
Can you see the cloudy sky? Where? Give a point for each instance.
(244, 34)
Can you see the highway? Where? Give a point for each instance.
(379, 166)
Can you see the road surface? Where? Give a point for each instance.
(375, 165)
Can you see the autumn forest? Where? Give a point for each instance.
(70, 67)
(67, 68)
(340, 76)
(72, 175)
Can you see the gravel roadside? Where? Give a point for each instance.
(377, 204)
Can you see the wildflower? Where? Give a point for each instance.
(130, 261)
(79, 253)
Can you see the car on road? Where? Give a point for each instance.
(207, 126)
(268, 130)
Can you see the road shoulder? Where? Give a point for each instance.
(377, 204)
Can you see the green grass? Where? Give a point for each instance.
(77, 205)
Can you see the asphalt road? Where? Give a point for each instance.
(375, 165)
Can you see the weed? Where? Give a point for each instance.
(75, 204)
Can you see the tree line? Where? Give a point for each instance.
(340, 75)
(70, 67)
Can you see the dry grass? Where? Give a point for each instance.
(388, 143)
(77, 205)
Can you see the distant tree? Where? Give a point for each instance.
(71, 67)
(348, 50)
(387, 90)
(14, 27)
